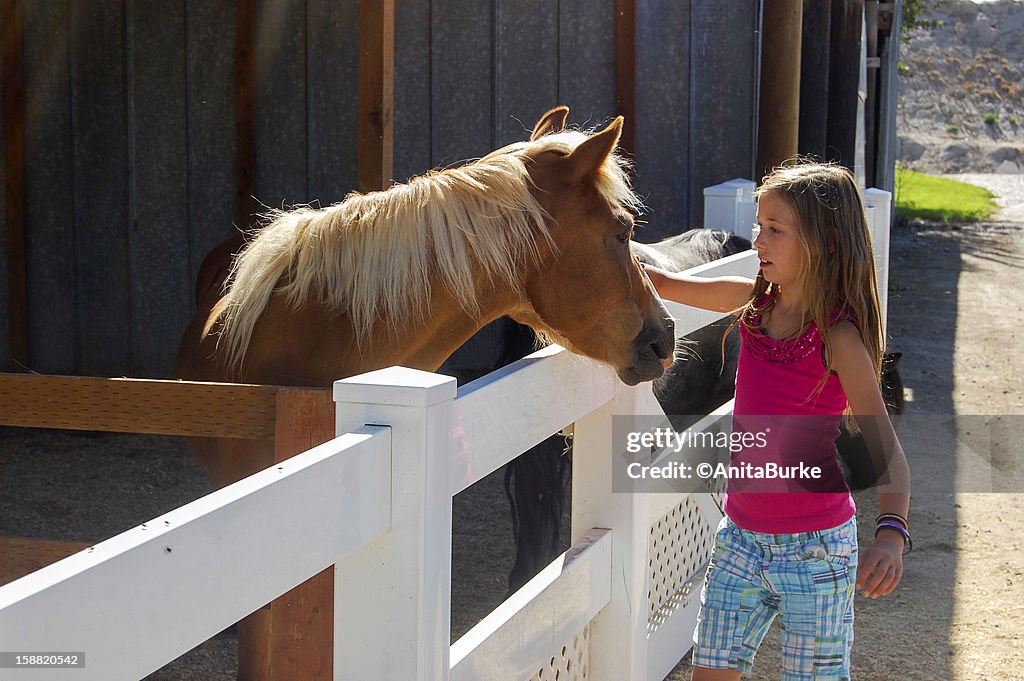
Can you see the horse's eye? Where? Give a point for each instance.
(624, 237)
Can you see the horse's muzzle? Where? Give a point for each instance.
(653, 351)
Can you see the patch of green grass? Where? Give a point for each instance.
(953, 129)
(920, 196)
(991, 119)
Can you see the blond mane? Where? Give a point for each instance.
(374, 255)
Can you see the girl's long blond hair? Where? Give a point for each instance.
(839, 264)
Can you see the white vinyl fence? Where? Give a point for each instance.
(376, 502)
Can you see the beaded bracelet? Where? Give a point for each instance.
(908, 543)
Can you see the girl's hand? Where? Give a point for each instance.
(881, 566)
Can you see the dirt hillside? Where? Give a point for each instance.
(961, 89)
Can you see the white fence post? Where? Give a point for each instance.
(730, 206)
(878, 206)
(392, 599)
(618, 635)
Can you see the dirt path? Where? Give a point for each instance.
(954, 312)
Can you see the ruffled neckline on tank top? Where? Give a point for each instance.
(764, 347)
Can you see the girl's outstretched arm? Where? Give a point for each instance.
(881, 566)
(721, 294)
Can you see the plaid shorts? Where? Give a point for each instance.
(807, 579)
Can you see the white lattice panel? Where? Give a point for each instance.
(680, 545)
(572, 663)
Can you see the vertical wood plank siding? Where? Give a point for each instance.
(461, 80)
(413, 59)
(333, 40)
(586, 61)
(814, 57)
(49, 190)
(525, 66)
(663, 114)
(212, 140)
(148, 125)
(13, 337)
(99, 128)
(724, 48)
(281, 115)
(158, 242)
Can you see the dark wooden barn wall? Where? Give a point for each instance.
(696, 103)
(131, 153)
(5, 313)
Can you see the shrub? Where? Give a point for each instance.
(991, 118)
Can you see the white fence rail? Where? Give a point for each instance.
(376, 502)
(137, 601)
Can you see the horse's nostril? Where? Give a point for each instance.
(663, 347)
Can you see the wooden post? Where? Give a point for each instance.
(625, 72)
(14, 182)
(376, 94)
(291, 638)
(779, 119)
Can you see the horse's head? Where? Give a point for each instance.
(587, 292)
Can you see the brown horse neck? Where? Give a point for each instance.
(426, 344)
(311, 347)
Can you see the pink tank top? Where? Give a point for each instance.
(792, 424)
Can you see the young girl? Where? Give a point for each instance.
(811, 350)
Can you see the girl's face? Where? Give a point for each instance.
(778, 243)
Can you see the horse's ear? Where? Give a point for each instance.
(552, 121)
(592, 152)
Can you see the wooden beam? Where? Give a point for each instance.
(20, 556)
(14, 182)
(126, 405)
(376, 94)
(625, 72)
(779, 119)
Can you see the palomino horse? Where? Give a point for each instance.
(537, 230)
